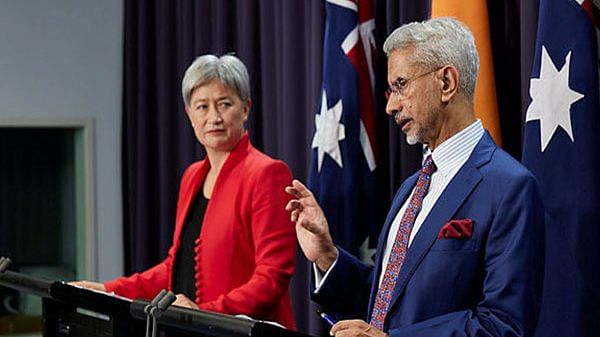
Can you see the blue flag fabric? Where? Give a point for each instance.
(561, 147)
(344, 166)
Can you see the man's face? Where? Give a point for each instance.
(414, 99)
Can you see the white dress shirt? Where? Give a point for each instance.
(448, 157)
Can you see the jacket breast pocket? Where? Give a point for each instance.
(451, 244)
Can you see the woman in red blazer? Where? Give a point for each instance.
(234, 245)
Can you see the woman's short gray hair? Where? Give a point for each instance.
(439, 42)
(228, 69)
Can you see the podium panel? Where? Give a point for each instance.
(62, 320)
(210, 324)
(70, 311)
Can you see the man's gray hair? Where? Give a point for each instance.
(439, 42)
(228, 69)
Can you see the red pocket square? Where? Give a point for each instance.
(457, 229)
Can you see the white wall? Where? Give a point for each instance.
(64, 58)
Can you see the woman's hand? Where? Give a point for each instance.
(89, 285)
(182, 301)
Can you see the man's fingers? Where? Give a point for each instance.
(355, 327)
(309, 226)
(340, 327)
(293, 204)
(300, 193)
(291, 190)
(300, 190)
(297, 189)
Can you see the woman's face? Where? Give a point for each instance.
(217, 114)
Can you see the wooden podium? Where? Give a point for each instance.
(70, 311)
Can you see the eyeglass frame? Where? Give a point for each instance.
(401, 84)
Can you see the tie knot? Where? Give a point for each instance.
(428, 166)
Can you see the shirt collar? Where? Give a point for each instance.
(455, 150)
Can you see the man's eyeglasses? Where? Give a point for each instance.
(400, 86)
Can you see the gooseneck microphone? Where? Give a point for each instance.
(155, 309)
(164, 304)
(155, 301)
(149, 314)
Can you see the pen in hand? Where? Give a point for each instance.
(326, 317)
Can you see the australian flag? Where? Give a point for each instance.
(561, 147)
(344, 166)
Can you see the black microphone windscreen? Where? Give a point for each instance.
(158, 297)
(166, 301)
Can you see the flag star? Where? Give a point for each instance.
(329, 132)
(552, 99)
(367, 254)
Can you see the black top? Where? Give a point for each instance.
(184, 281)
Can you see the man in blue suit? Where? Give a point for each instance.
(461, 251)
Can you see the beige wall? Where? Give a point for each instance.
(63, 59)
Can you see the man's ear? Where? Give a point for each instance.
(449, 82)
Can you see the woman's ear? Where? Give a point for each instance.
(247, 107)
(449, 83)
(189, 116)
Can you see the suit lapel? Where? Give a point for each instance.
(455, 194)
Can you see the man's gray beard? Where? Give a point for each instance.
(412, 140)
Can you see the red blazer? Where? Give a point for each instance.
(246, 250)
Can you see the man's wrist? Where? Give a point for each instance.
(327, 259)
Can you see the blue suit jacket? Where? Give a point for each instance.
(487, 285)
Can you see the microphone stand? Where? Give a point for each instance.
(149, 307)
(155, 309)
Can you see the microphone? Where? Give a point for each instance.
(155, 309)
(165, 302)
(155, 301)
(149, 311)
